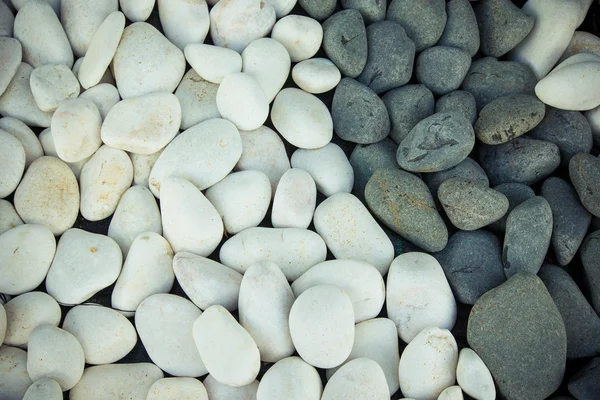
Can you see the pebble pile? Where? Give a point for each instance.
(299, 200)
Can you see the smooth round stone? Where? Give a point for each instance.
(407, 105)
(295, 200)
(360, 378)
(177, 389)
(428, 364)
(26, 252)
(228, 351)
(184, 21)
(11, 49)
(269, 63)
(345, 42)
(263, 150)
(423, 22)
(29, 140)
(12, 163)
(370, 11)
(322, 326)
(104, 179)
(213, 63)
(461, 30)
(318, 9)
(137, 10)
(294, 250)
(76, 129)
(84, 264)
(290, 378)
(56, 354)
(584, 171)
(451, 393)
(42, 36)
(237, 23)
(203, 154)
(467, 169)
(116, 380)
(418, 295)
(147, 270)
(53, 84)
(473, 376)
(366, 159)
(9, 217)
(44, 389)
(584, 384)
(107, 76)
(190, 222)
(26, 312)
(47, 142)
(571, 87)
(460, 102)
(197, 98)
(522, 366)
(316, 75)
(302, 119)
(438, 142)
(49, 195)
(13, 372)
(442, 69)
(104, 96)
(300, 35)
(105, 335)
(358, 114)
(207, 282)
(219, 391)
(328, 166)
(516, 193)
(146, 62)
(142, 166)
(164, 323)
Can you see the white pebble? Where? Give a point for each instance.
(14, 379)
(474, 377)
(300, 35)
(12, 163)
(451, 393)
(241, 100)
(576, 59)
(44, 389)
(358, 379)
(17, 4)
(316, 75)
(12, 54)
(106, 78)
(81, 18)
(197, 98)
(213, 63)
(76, 129)
(295, 200)
(282, 7)
(291, 379)
(104, 96)
(53, 84)
(8, 217)
(47, 141)
(582, 42)
(142, 166)
(137, 10)
(7, 18)
(177, 389)
(184, 21)
(269, 63)
(571, 87)
(26, 312)
(29, 140)
(219, 391)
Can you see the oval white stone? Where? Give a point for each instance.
(142, 166)
(104, 96)
(76, 129)
(197, 98)
(137, 10)
(26, 312)
(473, 376)
(14, 379)
(358, 379)
(294, 201)
(12, 54)
(44, 389)
(12, 163)
(184, 21)
(571, 87)
(29, 140)
(241, 100)
(316, 75)
(53, 84)
(300, 35)
(8, 217)
(451, 393)
(47, 142)
(292, 379)
(177, 389)
(269, 63)
(219, 391)
(213, 63)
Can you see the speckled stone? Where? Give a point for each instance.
(590, 258)
(345, 41)
(424, 20)
(371, 10)
(442, 69)
(407, 105)
(466, 169)
(584, 171)
(516, 193)
(367, 158)
(461, 27)
(585, 384)
(460, 102)
(318, 9)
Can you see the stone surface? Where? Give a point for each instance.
(177, 389)
(104, 96)
(316, 75)
(461, 27)
(294, 201)
(44, 389)
(213, 63)
(407, 105)
(473, 376)
(184, 21)
(219, 391)
(47, 142)
(423, 22)
(241, 100)
(197, 98)
(14, 376)
(345, 42)
(53, 84)
(371, 11)
(137, 10)
(442, 69)
(366, 159)
(516, 194)
(290, 378)
(26, 312)
(7, 19)
(318, 9)
(570, 87)
(13, 159)
(357, 379)
(8, 217)
(300, 35)
(76, 129)
(590, 255)
(460, 102)
(29, 140)
(11, 49)
(585, 383)
(268, 61)
(584, 171)
(467, 169)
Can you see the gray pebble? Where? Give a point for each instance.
(527, 238)
(318, 9)
(570, 219)
(472, 262)
(508, 117)
(423, 20)
(590, 258)
(442, 69)
(585, 384)
(359, 115)
(403, 203)
(460, 102)
(466, 169)
(407, 105)
(391, 57)
(461, 27)
(595, 225)
(371, 10)
(367, 158)
(522, 160)
(516, 193)
(345, 42)
(584, 171)
(438, 142)
(502, 26)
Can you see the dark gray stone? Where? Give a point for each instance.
(527, 238)
(438, 142)
(502, 26)
(371, 10)
(519, 334)
(595, 225)
(407, 105)
(391, 57)
(466, 169)
(403, 203)
(359, 115)
(508, 117)
(516, 193)
(472, 262)
(318, 9)
(368, 158)
(489, 79)
(581, 321)
(521, 160)
(345, 42)
(460, 102)
(590, 258)
(569, 130)
(584, 171)
(585, 384)
(570, 219)
(442, 69)
(461, 27)
(423, 20)
(469, 205)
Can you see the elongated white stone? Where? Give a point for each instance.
(316, 75)
(12, 53)
(295, 200)
(572, 87)
(137, 10)
(53, 84)
(177, 389)
(76, 129)
(197, 98)
(26, 312)
(290, 378)
(184, 21)
(300, 35)
(8, 217)
(29, 140)
(213, 63)
(12, 163)
(357, 379)
(269, 63)
(241, 100)
(474, 377)
(14, 378)
(104, 96)
(107, 77)
(44, 389)
(219, 391)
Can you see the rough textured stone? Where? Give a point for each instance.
(466, 169)
(318, 9)
(407, 105)
(460, 102)
(461, 27)
(424, 20)
(345, 42)
(442, 69)
(516, 193)
(584, 170)
(585, 384)
(590, 258)
(366, 159)
(371, 11)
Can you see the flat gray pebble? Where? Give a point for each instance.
(318, 9)
(442, 69)
(423, 20)
(461, 27)
(407, 105)
(345, 42)
(590, 259)
(368, 158)
(466, 169)
(371, 10)
(516, 193)
(585, 384)
(460, 102)
(584, 171)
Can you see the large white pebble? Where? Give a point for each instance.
(49, 195)
(29, 140)
(142, 166)
(428, 364)
(474, 377)
(8, 217)
(56, 354)
(329, 167)
(358, 379)
(300, 35)
(137, 10)
(269, 63)
(12, 54)
(219, 391)
(104, 96)
(418, 295)
(44, 389)
(12, 163)
(197, 98)
(237, 23)
(265, 291)
(26, 252)
(107, 77)
(104, 179)
(84, 264)
(316, 75)
(572, 87)
(228, 351)
(177, 389)
(26, 312)
(213, 63)
(295, 200)
(53, 84)
(294, 250)
(47, 141)
(241, 100)
(146, 62)
(76, 129)
(14, 379)
(184, 21)
(115, 381)
(203, 155)
(292, 379)
(147, 271)
(242, 199)
(360, 281)
(105, 335)
(190, 222)
(322, 326)
(164, 323)
(42, 36)
(302, 119)
(451, 393)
